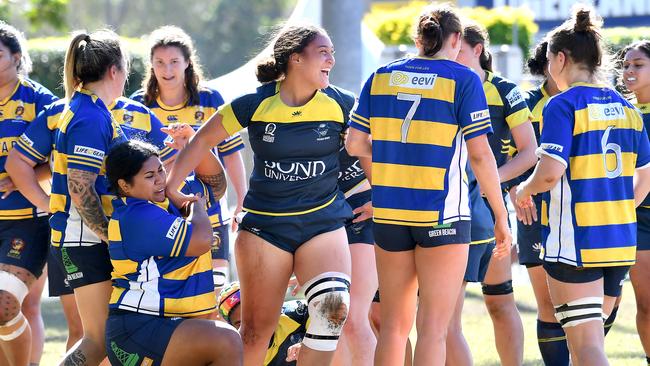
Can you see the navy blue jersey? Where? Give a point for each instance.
(296, 149)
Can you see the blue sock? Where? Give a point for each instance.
(610, 320)
(552, 344)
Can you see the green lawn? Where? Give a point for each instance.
(623, 346)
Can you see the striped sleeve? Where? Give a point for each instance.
(87, 144)
(36, 142)
(230, 145)
(557, 135)
(471, 106)
(360, 115)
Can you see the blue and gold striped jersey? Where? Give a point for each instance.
(508, 109)
(419, 112)
(136, 121)
(645, 114)
(589, 217)
(151, 272)
(17, 111)
(296, 149)
(195, 115)
(85, 131)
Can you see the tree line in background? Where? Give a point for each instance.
(226, 33)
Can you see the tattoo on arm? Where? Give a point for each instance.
(76, 358)
(216, 182)
(81, 185)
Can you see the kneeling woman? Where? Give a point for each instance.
(162, 277)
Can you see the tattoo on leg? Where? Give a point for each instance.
(76, 358)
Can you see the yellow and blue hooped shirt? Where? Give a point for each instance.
(17, 111)
(589, 217)
(85, 131)
(296, 149)
(196, 114)
(419, 112)
(151, 273)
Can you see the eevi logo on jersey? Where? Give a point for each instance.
(413, 80)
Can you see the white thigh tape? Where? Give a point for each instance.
(580, 311)
(13, 285)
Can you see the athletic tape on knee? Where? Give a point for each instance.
(580, 311)
(328, 296)
(13, 285)
(503, 288)
(220, 276)
(14, 328)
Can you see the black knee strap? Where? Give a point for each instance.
(503, 288)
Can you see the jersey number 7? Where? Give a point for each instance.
(415, 98)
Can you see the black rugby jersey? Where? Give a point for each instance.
(296, 149)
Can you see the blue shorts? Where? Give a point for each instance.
(84, 265)
(57, 284)
(138, 339)
(643, 228)
(399, 238)
(359, 232)
(221, 242)
(478, 261)
(290, 232)
(613, 277)
(529, 238)
(24, 243)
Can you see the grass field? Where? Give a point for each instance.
(622, 343)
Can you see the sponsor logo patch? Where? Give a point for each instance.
(442, 232)
(414, 80)
(514, 97)
(88, 151)
(480, 115)
(173, 229)
(26, 140)
(606, 112)
(552, 147)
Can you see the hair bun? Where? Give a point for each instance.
(431, 26)
(267, 70)
(583, 21)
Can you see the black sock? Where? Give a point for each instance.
(552, 343)
(610, 320)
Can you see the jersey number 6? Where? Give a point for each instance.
(616, 149)
(415, 98)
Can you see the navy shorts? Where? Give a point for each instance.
(399, 238)
(24, 243)
(478, 261)
(643, 228)
(529, 238)
(57, 284)
(359, 232)
(221, 242)
(84, 265)
(138, 339)
(482, 221)
(613, 277)
(290, 232)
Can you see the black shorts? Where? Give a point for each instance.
(613, 277)
(24, 243)
(57, 284)
(399, 238)
(138, 339)
(643, 228)
(84, 265)
(221, 242)
(290, 232)
(478, 261)
(359, 232)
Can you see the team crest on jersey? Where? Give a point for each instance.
(414, 80)
(172, 118)
(17, 247)
(20, 110)
(199, 115)
(269, 133)
(321, 132)
(514, 97)
(128, 118)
